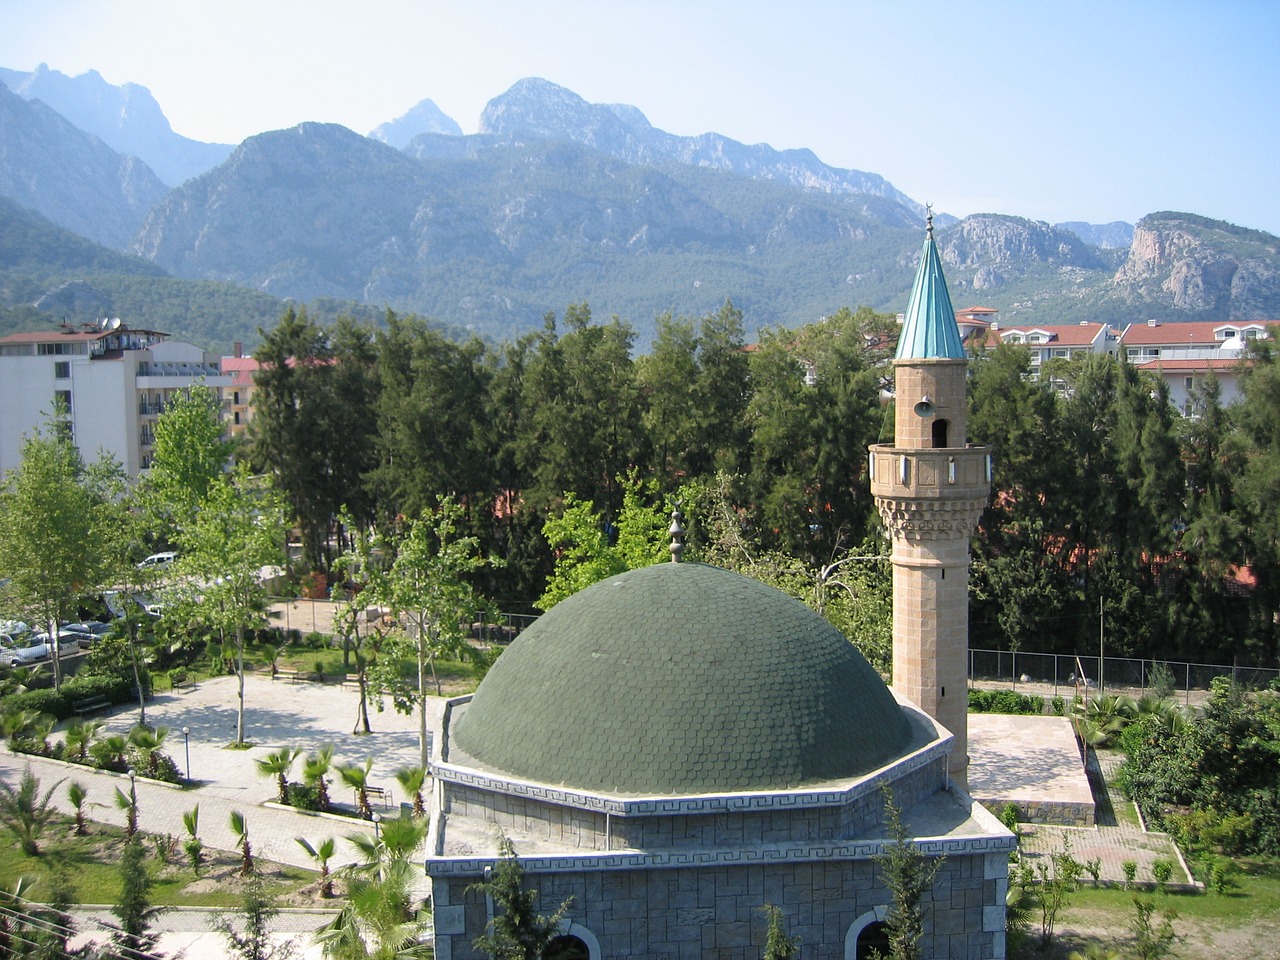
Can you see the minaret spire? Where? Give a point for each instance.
(930, 486)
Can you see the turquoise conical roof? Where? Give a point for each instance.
(929, 328)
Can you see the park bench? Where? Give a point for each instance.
(294, 676)
(89, 705)
(178, 680)
(351, 678)
(381, 793)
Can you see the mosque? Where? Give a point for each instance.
(677, 746)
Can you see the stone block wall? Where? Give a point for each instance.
(713, 912)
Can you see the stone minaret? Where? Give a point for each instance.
(930, 487)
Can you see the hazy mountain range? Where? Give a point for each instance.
(555, 201)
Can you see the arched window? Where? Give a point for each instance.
(939, 433)
(567, 947)
(866, 934)
(874, 937)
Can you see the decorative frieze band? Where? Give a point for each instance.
(929, 519)
(806, 853)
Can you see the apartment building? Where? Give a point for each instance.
(1183, 354)
(114, 382)
(1047, 343)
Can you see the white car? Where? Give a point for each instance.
(36, 649)
(158, 560)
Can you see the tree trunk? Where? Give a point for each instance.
(240, 683)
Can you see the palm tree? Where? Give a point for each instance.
(396, 842)
(277, 764)
(241, 830)
(321, 854)
(412, 780)
(80, 734)
(357, 778)
(315, 771)
(129, 804)
(77, 794)
(193, 845)
(112, 748)
(25, 813)
(148, 742)
(16, 724)
(377, 922)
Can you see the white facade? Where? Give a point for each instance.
(114, 381)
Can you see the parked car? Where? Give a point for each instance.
(13, 633)
(36, 649)
(158, 560)
(89, 631)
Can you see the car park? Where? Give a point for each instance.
(89, 631)
(36, 648)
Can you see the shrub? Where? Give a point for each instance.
(1162, 871)
(315, 641)
(116, 689)
(1130, 868)
(1059, 706)
(304, 796)
(41, 701)
(1009, 816)
(1005, 701)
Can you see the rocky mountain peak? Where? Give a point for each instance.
(1197, 264)
(422, 117)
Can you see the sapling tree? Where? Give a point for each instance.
(517, 931)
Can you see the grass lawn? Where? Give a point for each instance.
(93, 863)
(1240, 924)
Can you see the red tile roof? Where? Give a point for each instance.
(1187, 334)
(1065, 335)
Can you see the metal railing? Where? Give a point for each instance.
(1062, 674)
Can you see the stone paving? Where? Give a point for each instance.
(1113, 840)
(277, 714)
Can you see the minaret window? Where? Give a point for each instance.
(940, 433)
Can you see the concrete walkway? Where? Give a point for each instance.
(1115, 838)
(277, 714)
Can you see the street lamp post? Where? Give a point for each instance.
(377, 828)
(186, 742)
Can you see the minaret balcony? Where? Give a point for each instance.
(930, 473)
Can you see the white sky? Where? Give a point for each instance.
(1082, 110)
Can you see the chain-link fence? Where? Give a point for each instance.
(1059, 674)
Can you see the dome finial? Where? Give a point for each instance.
(677, 535)
(928, 208)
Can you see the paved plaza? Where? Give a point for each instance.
(277, 714)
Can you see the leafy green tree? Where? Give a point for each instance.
(1258, 489)
(517, 931)
(238, 532)
(26, 812)
(315, 773)
(77, 795)
(53, 515)
(241, 829)
(580, 427)
(668, 380)
(313, 424)
(431, 407)
(193, 846)
(190, 452)
(429, 590)
(585, 551)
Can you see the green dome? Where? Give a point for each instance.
(681, 678)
